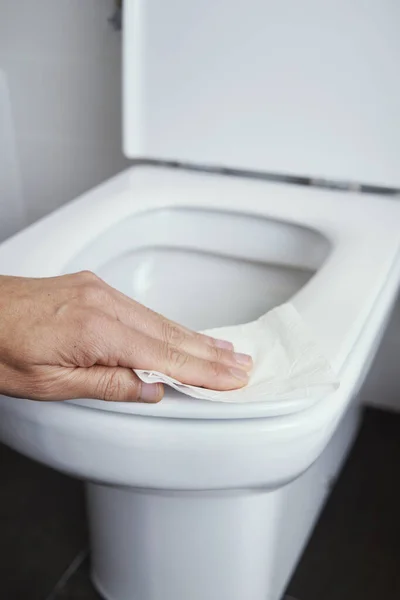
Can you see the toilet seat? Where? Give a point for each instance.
(351, 280)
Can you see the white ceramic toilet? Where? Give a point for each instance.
(197, 500)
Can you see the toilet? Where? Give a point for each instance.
(190, 499)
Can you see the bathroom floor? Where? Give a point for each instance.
(354, 553)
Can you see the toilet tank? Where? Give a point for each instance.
(305, 88)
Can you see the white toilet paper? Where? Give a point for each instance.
(287, 362)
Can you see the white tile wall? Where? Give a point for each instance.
(62, 62)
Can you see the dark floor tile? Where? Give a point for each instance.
(354, 553)
(42, 526)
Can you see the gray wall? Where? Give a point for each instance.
(61, 64)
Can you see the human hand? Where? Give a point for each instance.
(76, 337)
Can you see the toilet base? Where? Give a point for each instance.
(155, 545)
(167, 546)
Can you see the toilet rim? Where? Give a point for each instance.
(145, 452)
(139, 190)
(178, 406)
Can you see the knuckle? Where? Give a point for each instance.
(175, 358)
(216, 354)
(113, 387)
(216, 369)
(172, 334)
(110, 387)
(91, 293)
(85, 355)
(87, 276)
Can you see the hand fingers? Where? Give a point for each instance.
(98, 294)
(132, 336)
(112, 384)
(132, 349)
(158, 327)
(198, 347)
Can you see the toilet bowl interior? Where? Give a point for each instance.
(203, 290)
(205, 268)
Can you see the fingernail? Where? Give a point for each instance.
(243, 359)
(239, 374)
(151, 392)
(224, 344)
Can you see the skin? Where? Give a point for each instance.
(76, 337)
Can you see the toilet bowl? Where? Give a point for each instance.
(191, 499)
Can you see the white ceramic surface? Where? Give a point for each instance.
(300, 88)
(223, 497)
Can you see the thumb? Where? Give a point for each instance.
(113, 384)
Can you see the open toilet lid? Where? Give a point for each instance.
(299, 88)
